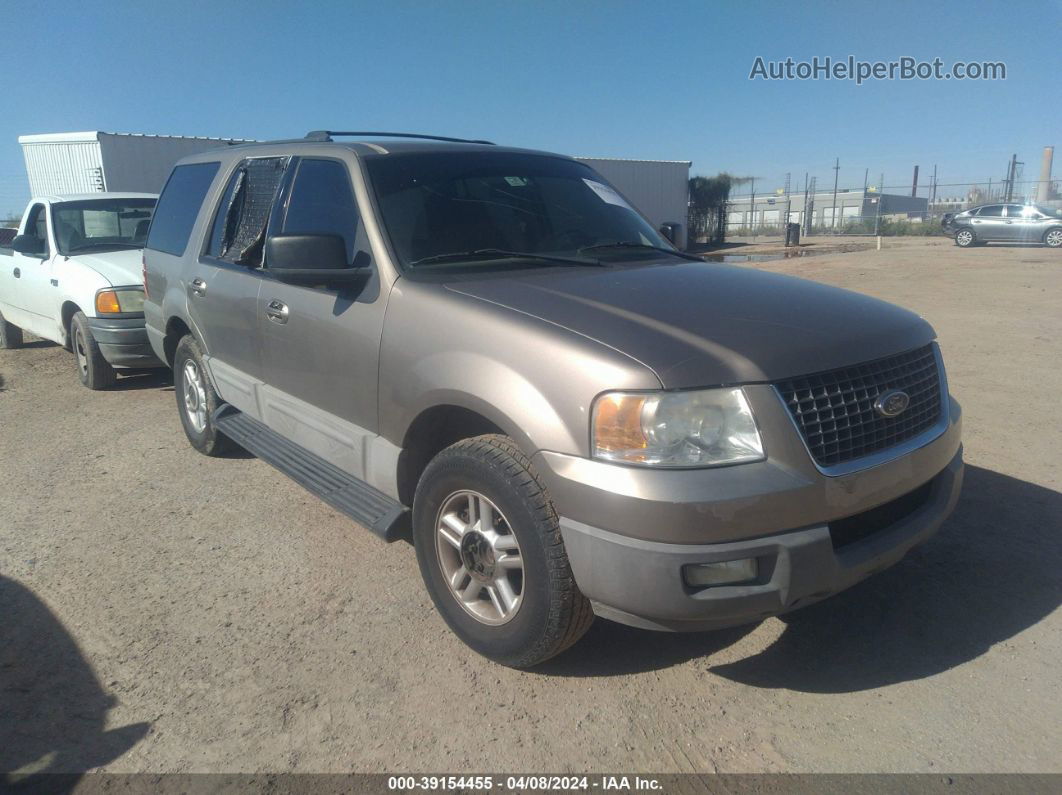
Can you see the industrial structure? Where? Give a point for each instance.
(86, 162)
(820, 209)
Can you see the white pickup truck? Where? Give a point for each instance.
(73, 275)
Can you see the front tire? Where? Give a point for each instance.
(196, 399)
(491, 554)
(965, 238)
(10, 335)
(94, 371)
(1053, 238)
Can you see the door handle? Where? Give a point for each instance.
(198, 287)
(18, 273)
(277, 311)
(1010, 222)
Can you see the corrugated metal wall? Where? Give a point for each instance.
(658, 188)
(64, 167)
(142, 163)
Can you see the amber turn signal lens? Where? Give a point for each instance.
(618, 423)
(107, 302)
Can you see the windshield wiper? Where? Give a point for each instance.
(628, 244)
(481, 253)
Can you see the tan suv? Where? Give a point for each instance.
(490, 351)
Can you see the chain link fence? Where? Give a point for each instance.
(873, 210)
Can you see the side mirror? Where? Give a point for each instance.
(27, 244)
(668, 231)
(310, 260)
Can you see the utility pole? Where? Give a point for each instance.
(836, 171)
(788, 205)
(1012, 170)
(914, 184)
(933, 189)
(752, 208)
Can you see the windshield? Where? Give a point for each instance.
(436, 204)
(101, 223)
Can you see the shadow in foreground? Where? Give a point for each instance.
(52, 708)
(991, 572)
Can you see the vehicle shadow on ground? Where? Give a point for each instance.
(991, 572)
(53, 709)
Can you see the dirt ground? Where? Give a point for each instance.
(162, 611)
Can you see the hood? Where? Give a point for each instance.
(698, 324)
(117, 267)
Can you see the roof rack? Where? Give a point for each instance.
(327, 135)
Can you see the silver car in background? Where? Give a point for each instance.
(1006, 223)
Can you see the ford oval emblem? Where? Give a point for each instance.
(892, 403)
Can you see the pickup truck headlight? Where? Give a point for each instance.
(120, 300)
(702, 428)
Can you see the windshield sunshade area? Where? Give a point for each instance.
(447, 203)
(98, 224)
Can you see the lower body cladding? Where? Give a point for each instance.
(124, 341)
(867, 521)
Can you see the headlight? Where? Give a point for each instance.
(704, 428)
(120, 300)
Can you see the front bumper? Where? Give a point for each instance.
(629, 531)
(123, 341)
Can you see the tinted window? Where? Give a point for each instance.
(179, 205)
(241, 216)
(440, 204)
(1018, 211)
(36, 225)
(322, 203)
(992, 211)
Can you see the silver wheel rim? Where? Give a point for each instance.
(1054, 238)
(965, 237)
(195, 402)
(480, 557)
(79, 352)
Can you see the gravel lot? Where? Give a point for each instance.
(162, 611)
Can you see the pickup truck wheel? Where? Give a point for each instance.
(491, 554)
(196, 399)
(94, 371)
(10, 336)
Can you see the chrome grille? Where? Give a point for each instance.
(835, 410)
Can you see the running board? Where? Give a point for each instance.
(349, 495)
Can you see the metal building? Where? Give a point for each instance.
(768, 210)
(86, 162)
(659, 189)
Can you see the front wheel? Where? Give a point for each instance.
(196, 399)
(964, 238)
(1053, 238)
(94, 371)
(10, 335)
(491, 554)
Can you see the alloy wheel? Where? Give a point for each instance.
(479, 557)
(195, 401)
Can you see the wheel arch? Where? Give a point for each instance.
(176, 329)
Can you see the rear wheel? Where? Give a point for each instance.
(10, 335)
(1053, 238)
(491, 554)
(196, 399)
(964, 238)
(94, 371)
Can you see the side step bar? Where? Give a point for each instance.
(366, 505)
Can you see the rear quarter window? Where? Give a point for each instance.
(179, 206)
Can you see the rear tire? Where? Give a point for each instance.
(965, 238)
(1053, 238)
(94, 371)
(196, 399)
(10, 335)
(549, 613)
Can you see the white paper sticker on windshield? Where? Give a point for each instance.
(606, 193)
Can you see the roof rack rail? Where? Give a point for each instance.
(326, 135)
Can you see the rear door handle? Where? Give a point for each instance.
(277, 311)
(198, 287)
(18, 273)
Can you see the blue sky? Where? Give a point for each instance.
(618, 79)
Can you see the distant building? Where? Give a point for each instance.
(86, 162)
(770, 209)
